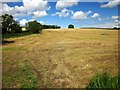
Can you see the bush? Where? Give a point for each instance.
(104, 81)
(71, 26)
(34, 27)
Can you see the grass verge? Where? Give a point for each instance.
(12, 35)
(104, 81)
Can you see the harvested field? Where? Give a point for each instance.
(59, 58)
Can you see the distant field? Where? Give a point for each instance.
(24, 29)
(59, 58)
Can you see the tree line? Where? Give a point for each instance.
(9, 25)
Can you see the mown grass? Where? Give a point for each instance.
(13, 49)
(104, 81)
(59, 59)
(22, 76)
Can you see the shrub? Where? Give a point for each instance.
(71, 26)
(104, 81)
(34, 27)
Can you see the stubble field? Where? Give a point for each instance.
(66, 58)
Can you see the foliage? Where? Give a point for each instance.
(15, 28)
(70, 26)
(7, 21)
(51, 27)
(34, 27)
(104, 81)
(116, 28)
(29, 76)
(9, 25)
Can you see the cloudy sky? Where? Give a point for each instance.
(62, 12)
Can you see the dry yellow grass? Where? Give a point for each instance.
(23, 29)
(61, 58)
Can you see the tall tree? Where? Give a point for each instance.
(7, 22)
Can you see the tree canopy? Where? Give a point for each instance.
(51, 27)
(70, 26)
(9, 24)
(34, 27)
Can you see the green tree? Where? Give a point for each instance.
(15, 28)
(70, 26)
(58, 27)
(51, 27)
(9, 24)
(115, 28)
(34, 27)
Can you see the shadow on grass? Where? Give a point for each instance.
(4, 42)
(12, 35)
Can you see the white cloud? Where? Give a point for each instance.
(31, 20)
(95, 15)
(39, 14)
(0, 9)
(111, 4)
(36, 8)
(32, 5)
(7, 9)
(63, 13)
(104, 19)
(17, 15)
(117, 23)
(15, 19)
(23, 22)
(116, 20)
(108, 24)
(103, 25)
(80, 15)
(41, 22)
(10, 0)
(115, 17)
(89, 12)
(66, 3)
(19, 9)
(15, 11)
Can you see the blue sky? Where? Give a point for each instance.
(81, 14)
